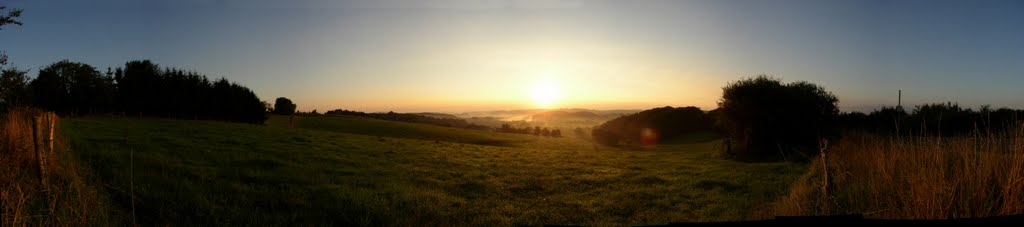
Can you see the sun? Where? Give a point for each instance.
(545, 94)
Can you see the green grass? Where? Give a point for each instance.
(383, 128)
(357, 171)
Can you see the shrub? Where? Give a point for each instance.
(763, 117)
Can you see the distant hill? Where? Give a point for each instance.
(569, 117)
(437, 115)
(493, 122)
(652, 126)
(576, 117)
(505, 115)
(445, 120)
(566, 115)
(558, 118)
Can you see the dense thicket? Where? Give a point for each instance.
(412, 118)
(650, 126)
(146, 89)
(140, 88)
(763, 117)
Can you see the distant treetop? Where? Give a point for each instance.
(284, 106)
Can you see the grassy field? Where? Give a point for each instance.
(357, 171)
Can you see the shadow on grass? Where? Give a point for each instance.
(686, 139)
(691, 138)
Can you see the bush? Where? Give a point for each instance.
(763, 117)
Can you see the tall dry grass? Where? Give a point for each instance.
(915, 178)
(65, 199)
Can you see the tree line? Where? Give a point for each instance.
(139, 88)
(411, 118)
(936, 119)
(535, 130)
(763, 118)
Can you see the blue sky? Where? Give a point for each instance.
(464, 55)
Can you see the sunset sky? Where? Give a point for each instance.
(470, 55)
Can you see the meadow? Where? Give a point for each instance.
(359, 171)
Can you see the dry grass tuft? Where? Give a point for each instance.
(65, 199)
(916, 178)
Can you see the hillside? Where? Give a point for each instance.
(574, 116)
(438, 115)
(359, 171)
(650, 127)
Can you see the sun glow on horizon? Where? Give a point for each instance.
(546, 94)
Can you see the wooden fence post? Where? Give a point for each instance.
(50, 119)
(824, 184)
(35, 147)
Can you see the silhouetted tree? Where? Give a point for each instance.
(71, 87)
(887, 120)
(999, 120)
(346, 113)
(853, 120)
(13, 88)
(10, 17)
(141, 87)
(936, 119)
(13, 81)
(948, 118)
(284, 106)
(765, 117)
(6, 20)
(248, 107)
(138, 87)
(145, 88)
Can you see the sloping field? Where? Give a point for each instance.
(358, 171)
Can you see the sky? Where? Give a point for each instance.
(476, 55)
